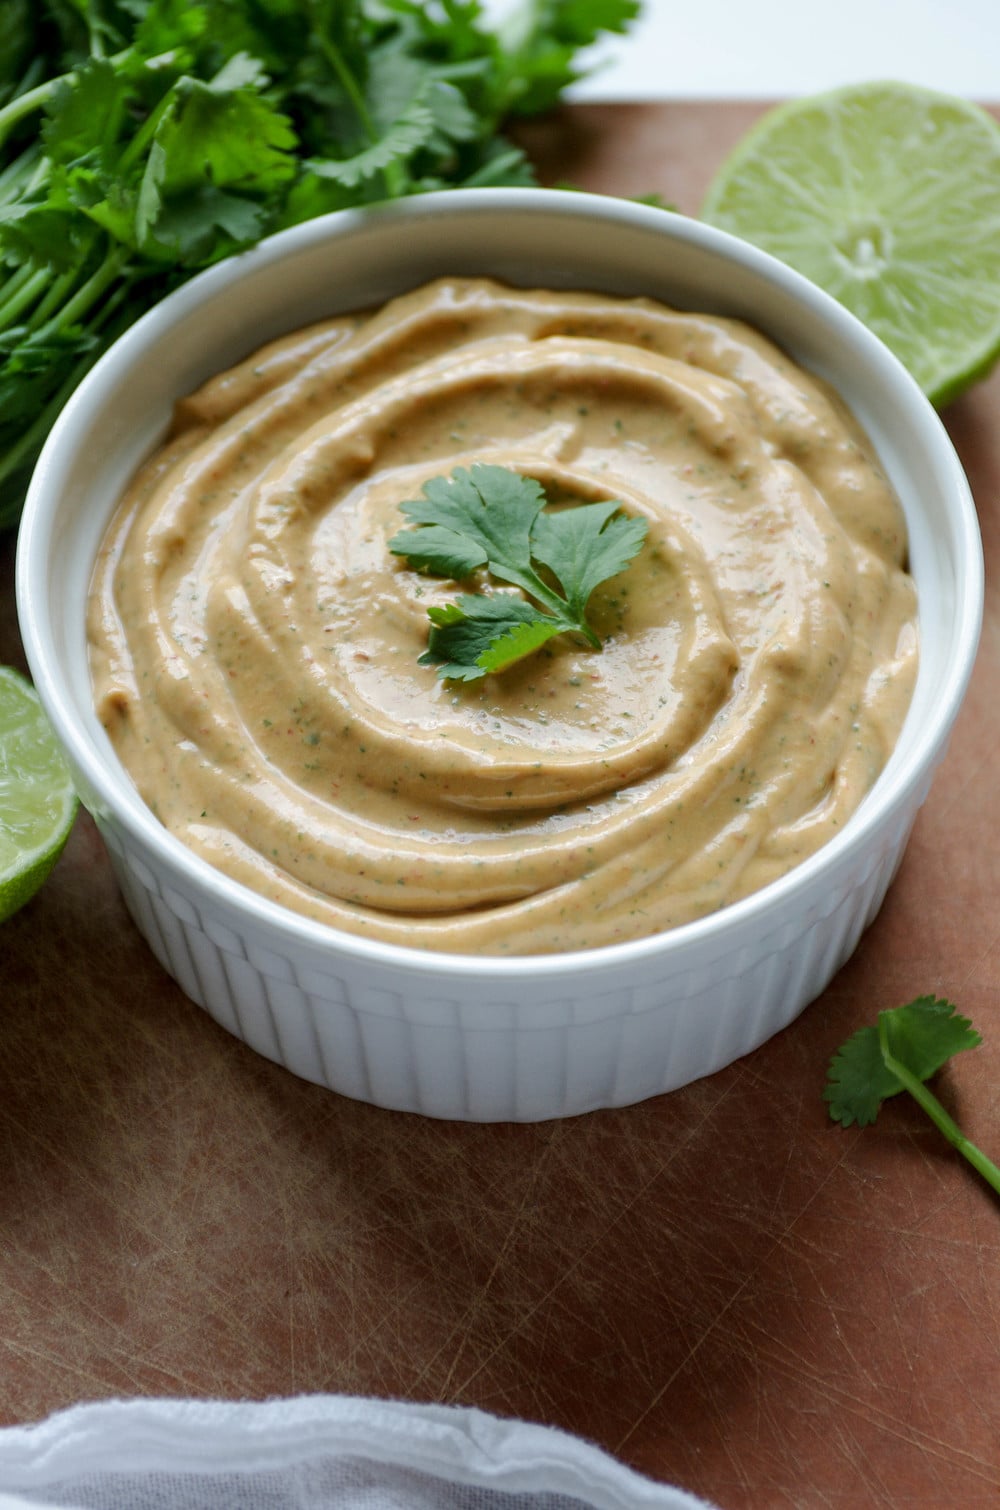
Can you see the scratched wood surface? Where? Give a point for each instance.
(718, 1285)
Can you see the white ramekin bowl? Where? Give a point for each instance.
(490, 1039)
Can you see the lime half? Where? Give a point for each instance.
(888, 196)
(37, 801)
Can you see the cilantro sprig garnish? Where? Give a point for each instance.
(904, 1049)
(141, 140)
(491, 517)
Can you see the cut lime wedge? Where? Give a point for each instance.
(37, 801)
(888, 196)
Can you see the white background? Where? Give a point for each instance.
(767, 49)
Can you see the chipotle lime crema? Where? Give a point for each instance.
(254, 643)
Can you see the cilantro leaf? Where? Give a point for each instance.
(45, 232)
(404, 136)
(858, 1080)
(585, 546)
(492, 517)
(501, 163)
(227, 131)
(907, 1046)
(540, 42)
(480, 517)
(28, 360)
(478, 634)
(923, 1035)
(214, 143)
(85, 114)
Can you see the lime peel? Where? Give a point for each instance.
(37, 802)
(887, 195)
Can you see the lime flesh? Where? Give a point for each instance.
(887, 195)
(37, 800)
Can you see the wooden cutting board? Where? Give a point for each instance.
(719, 1286)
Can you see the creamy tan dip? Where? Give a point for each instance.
(254, 643)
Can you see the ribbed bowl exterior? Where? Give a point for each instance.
(524, 1056)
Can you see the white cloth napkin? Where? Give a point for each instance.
(314, 1452)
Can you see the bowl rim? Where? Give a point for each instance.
(893, 787)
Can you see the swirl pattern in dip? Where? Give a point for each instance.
(254, 643)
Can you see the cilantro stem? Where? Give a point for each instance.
(932, 1106)
(57, 292)
(25, 294)
(34, 72)
(518, 27)
(35, 99)
(16, 177)
(529, 581)
(95, 286)
(14, 298)
(25, 104)
(114, 319)
(349, 84)
(94, 40)
(142, 138)
(29, 441)
(395, 177)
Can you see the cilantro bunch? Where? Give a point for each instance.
(142, 140)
